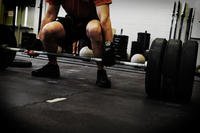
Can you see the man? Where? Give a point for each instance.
(88, 19)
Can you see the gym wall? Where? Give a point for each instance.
(196, 27)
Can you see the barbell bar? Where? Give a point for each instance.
(5, 46)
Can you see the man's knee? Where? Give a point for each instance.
(94, 30)
(51, 31)
(45, 32)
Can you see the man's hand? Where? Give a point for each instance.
(108, 58)
(31, 53)
(36, 45)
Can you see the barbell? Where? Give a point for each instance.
(84, 58)
(169, 70)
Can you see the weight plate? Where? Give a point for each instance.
(153, 70)
(120, 43)
(6, 37)
(187, 71)
(170, 68)
(144, 40)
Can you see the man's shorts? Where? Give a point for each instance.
(75, 30)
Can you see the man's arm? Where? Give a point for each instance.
(50, 16)
(103, 13)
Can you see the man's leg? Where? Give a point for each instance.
(50, 35)
(94, 32)
(75, 48)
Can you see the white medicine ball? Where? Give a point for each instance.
(86, 52)
(138, 58)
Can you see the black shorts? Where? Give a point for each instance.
(75, 30)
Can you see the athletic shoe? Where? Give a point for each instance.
(49, 70)
(102, 79)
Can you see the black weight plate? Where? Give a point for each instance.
(120, 43)
(6, 37)
(144, 40)
(170, 69)
(153, 70)
(187, 71)
(136, 48)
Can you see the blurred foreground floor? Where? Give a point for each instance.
(87, 108)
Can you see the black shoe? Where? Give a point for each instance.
(49, 70)
(102, 79)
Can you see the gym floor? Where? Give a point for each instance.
(87, 108)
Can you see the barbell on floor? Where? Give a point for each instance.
(5, 46)
(169, 71)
